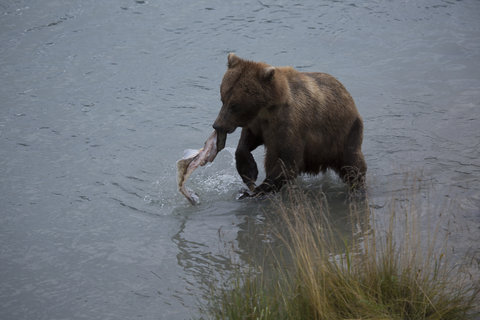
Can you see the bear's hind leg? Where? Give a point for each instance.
(353, 167)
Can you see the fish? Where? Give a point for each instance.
(192, 159)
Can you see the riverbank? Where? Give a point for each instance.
(397, 270)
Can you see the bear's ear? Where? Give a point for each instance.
(232, 60)
(268, 73)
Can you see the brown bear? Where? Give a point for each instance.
(307, 121)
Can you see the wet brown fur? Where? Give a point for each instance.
(307, 121)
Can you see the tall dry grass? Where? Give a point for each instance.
(379, 271)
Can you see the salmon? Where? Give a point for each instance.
(192, 159)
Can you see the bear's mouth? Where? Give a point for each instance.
(221, 140)
(224, 130)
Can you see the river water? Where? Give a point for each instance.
(98, 99)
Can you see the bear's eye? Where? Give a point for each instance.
(235, 107)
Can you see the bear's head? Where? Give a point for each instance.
(247, 88)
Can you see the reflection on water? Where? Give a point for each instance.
(99, 99)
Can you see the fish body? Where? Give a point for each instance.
(192, 159)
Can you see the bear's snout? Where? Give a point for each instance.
(221, 127)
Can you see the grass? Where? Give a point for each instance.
(389, 271)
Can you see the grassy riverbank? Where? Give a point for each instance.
(391, 270)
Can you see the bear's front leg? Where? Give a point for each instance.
(279, 168)
(246, 165)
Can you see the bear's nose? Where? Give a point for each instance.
(217, 127)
